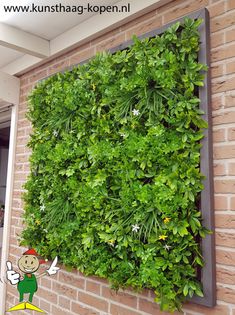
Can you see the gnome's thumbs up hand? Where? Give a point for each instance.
(53, 269)
(12, 275)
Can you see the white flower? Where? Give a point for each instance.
(55, 133)
(136, 112)
(135, 228)
(167, 247)
(123, 135)
(45, 230)
(42, 208)
(111, 243)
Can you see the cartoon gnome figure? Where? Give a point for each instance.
(29, 263)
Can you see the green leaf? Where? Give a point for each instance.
(185, 290)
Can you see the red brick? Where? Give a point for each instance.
(38, 76)
(170, 6)
(19, 167)
(147, 293)
(23, 99)
(64, 290)
(230, 35)
(224, 186)
(231, 134)
(143, 28)
(81, 56)
(225, 275)
(58, 311)
(18, 185)
(111, 42)
(225, 221)
(36, 300)
(232, 203)
(223, 52)
(217, 310)
(152, 308)
(20, 149)
(93, 301)
(225, 257)
(13, 241)
(22, 116)
(82, 310)
(141, 19)
(24, 81)
(21, 133)
(11, 298)
(225, 239)
(93, 287)
(226, 294)
(120, 297)
(48, 296)
(26, 90)
(231, 168)
(10, 288)
(230, 4)
(71, 279)
(224, 152)
(217, 39)
(227, 117)
(45, 306)
(223, 21)
(217, 70)
(15, 250)
(230, 99)
(216, 9)
(23, 123)
(17, 194)
(16, 203)
(23, 106)
(184, 10)
(98, 279)
(106, 36)
(64, 302)
(230, 67)
(119, 310)
(223, 85)
(28, 131)
(220, 203)
(219, 135)
(217, 102)
(22, 141)
(58, 66)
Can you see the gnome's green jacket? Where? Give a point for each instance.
(27, 285)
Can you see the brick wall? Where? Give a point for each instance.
(71, 292)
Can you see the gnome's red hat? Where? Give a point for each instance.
(33, 252)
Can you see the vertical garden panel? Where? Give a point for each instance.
(121, 178)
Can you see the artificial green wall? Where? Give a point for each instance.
(115, 168)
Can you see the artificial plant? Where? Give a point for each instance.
(115, 179)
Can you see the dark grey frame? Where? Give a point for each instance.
(208, 272)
